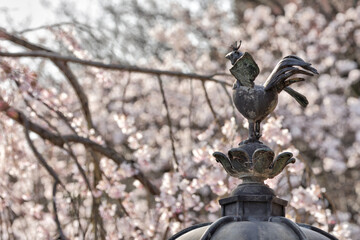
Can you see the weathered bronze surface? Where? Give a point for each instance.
(256, 102)
(253, 161)
(252, 211)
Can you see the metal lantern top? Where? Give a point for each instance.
(253, 211)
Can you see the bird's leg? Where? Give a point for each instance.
(257, 130)
(254, 132)
(252, 136)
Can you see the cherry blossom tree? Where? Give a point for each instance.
(108, 127)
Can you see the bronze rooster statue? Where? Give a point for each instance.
(256, 102)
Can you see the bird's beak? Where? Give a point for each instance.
(228, 56)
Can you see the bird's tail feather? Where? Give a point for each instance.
(286, 68)
(301, 99)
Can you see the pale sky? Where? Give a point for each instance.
(23, 14)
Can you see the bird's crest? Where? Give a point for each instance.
(235, 46)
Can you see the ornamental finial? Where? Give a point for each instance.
(252, 160)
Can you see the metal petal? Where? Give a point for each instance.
(280, 162)
(225, 162)
(262, 159)
(240, 160)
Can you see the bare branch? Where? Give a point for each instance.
(40, 158)
(57, 112)
(72, 79)
(63, 67)
(55, 56)
(13, 114)
(171, 135)
(191, 107)
(79, 25)
(68, 150)
(52, 172)
(57, 221)
(78, 90)
(210, 105)
(57, 140)
(230, 100)
(124, 93)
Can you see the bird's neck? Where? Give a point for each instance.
(238, 84)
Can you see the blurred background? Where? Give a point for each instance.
(146, 122)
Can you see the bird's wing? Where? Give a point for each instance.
(245, 70)
(286, 68)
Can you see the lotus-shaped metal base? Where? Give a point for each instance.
(253, 162)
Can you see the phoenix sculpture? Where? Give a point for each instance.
(253, 161)
(256, 102)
